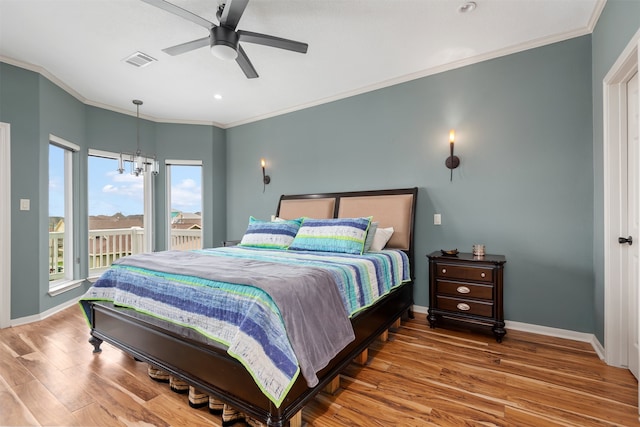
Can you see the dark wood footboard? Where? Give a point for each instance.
(206, 365)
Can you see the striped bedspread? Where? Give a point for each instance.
(256, 311)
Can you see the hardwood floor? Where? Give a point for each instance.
(420, 377)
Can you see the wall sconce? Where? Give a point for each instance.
(452, 161)
(266, 179)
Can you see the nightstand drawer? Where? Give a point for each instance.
(465, 290)
(482, 274)
(458, 305)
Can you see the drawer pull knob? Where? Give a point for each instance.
(463, 290)
(444, 270)
(464, 307)
(482, 275)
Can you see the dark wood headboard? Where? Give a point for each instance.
(390, 208)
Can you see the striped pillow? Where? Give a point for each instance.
(267, 234)
(345, 235)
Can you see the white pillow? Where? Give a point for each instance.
(381, 238)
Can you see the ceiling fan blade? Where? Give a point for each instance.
(187, 47)
(232, 13)
(267, 40)
(183, 13)
(245, 64)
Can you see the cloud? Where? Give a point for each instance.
(188, 184)
(126, 185)
(186, 196)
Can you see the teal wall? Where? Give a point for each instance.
(36, 108)
(19, 106)
(524, 187)
(619, 21)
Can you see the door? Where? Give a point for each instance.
(621, 295)
(633, 206)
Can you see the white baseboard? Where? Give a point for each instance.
(544, 330)
(420, 309)
(41, 316)
(598, 347)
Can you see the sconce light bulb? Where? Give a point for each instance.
(452, 135)
(263, 163)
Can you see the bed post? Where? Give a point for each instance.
(96, 343)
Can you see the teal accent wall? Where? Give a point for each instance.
(19, 106)
(618, 23)
(524, 187)
(35, 108)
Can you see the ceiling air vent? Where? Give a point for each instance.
(139, 59)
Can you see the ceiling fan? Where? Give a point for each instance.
(224, 39)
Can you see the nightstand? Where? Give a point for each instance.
(467, 289)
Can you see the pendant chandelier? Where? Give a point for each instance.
(140, 162)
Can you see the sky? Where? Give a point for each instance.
(111, 192)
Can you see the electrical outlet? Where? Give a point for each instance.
(437, 219)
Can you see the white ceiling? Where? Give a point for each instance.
(354, 46)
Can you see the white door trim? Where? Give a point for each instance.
(615, 210)
(5, 225)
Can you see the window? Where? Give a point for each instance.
(184, 204)
(61, 267)
(119, 218)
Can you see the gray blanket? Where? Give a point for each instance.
(316, 321)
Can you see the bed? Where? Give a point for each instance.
(205, 363)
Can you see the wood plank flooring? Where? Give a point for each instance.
(419, 377)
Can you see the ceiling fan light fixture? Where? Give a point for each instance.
(224, 43)
(224, 52)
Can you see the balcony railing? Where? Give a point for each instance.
(185, 240)
(56, 255)
(106, 246)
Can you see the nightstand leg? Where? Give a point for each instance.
(499, 331)
(432, 320)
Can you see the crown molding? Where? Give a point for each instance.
(62, 85)
(595, 16)
(364, 89)
(544, 41)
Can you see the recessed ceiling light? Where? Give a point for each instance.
(217, 96)
(467, 7)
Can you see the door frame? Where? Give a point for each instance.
(5, 225)
(615, 210)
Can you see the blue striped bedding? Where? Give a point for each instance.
(238, 313)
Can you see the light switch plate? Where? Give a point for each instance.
(437, 219)
(25, 204)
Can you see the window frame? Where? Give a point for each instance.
(71, 278)
(147, 212)
(181, 162)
